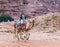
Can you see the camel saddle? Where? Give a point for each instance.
(21, 24)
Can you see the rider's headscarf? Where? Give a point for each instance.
(23, 16)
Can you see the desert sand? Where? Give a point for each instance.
(36, 40)
(39, 37)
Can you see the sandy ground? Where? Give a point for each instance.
(31, 44)
(37, 39)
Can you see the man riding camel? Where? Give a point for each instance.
(23, 25)
(23, 20)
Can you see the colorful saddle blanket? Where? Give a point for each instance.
(21, 24)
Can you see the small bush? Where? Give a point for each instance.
(5, 18)
(54, 17)
(51, 31)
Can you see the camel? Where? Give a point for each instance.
(22, 33)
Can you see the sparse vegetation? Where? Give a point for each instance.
(51, 31)
(49, 22)
(54, 17)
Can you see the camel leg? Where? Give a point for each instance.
(17, 36)
(24, 35)
(27, 35)
(21, 35)
(16, 33)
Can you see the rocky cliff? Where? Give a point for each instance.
(30, 7)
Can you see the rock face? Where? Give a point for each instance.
(11, 7)
(30, 7)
